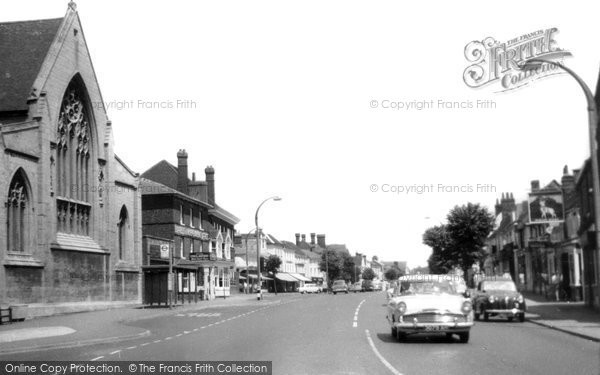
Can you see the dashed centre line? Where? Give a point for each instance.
(196, 329)
(355, 322)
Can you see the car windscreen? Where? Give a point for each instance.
(426, 287)
(499, 285)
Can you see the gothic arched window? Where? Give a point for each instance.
(73, 166)
(17, 214)
(122, 232)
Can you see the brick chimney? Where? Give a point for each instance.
(535, 185)
(182, 171)
(297, 239)
(304, 238)
(321, 241)
(508, 203)
(567, 181)
(497, 207)
(312, 238)
(210, 182)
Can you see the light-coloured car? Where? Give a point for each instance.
(309, 288)
(356, 287)
(429, 304)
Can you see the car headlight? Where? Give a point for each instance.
(491, 299)
(467, 307)
(402, 308)
(520, 298)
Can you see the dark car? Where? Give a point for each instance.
(356, 287)
(367, 286)
(339, 286)
(498, 297)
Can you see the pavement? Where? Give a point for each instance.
(574, 318)
(95, 327)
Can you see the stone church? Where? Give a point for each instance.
(71, 236)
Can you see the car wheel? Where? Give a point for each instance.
(394, 332)
(334, 293)
(510, 318)
(476, 314)
(464, 337)
(400, 336)
(486, 316)
(346, 292)
(521, 317)
(449, 335)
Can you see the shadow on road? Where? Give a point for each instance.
(418, 339)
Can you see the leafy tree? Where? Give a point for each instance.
(368, 274)
(392, 274)
(272, 265)
(347, 265)
(460, 242)
(330, 263)
(438, 239)
(468, 227)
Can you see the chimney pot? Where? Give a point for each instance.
(535, 185)
(312, 238)
(297, 239)
(210, 183)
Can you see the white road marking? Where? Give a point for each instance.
(157, 341)
(179, 335)
(168, 338)
(379, 356)
(131, 347)
(186, 332)
(97, 358)
(146, 343)
(115, 352)
(355, 323)
(195, 329)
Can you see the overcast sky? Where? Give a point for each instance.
(280, 103)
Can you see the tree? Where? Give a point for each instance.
(347, 266)
(330, 263)
(392, 274)
(468, 227)
(368, 274)
(438, 239)
(272, 265)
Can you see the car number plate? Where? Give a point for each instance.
(434, 328)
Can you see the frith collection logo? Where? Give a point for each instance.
(493, 61)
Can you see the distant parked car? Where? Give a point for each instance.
(367, 286)
(339, 286)
(498, 296)
(309, 288)
(377, 285)
(356, 287)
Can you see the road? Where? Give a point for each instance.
(341, 334)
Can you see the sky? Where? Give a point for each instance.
(294, 98)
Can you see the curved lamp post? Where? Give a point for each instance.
(275, 198)
(535, 63)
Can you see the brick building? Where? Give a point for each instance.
(183, 214)
(72, 207)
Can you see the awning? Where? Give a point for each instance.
(285, 277)
(300, 277)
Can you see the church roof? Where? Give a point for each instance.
(24, 47)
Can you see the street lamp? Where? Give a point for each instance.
(536, 63)
(275, 198)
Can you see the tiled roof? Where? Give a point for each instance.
(149, 187)
(24, 47)
(162, 172)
